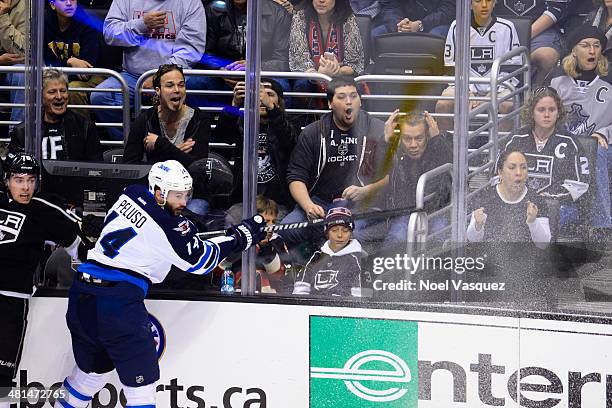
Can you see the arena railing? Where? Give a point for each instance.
(418, 234)
(125, 108)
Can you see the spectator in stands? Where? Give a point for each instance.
(421, 147)
(273, 262)
(226, 40)
(336, 268)
(556, 164)
(70, 42)
(413, 16)
(171, 130)
(339, 156)
(153, 32)
(588, 102)
(366, 7)
(325, 38)
(511, 222)
(66, 135)
(12, 47)
(277, 138)
(602, 19)
(490, 38)
(547, 44)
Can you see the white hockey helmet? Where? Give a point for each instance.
(169, 175)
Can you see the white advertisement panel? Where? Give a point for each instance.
(245, 355)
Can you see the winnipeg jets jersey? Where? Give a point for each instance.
(588, 105)
(140, 237)
(486, 45)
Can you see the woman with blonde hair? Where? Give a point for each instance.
(587, 99)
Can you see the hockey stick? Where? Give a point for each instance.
(318, 221)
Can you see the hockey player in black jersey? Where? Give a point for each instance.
(26, 222)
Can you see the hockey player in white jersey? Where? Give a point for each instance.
(490, 38)
(144, 235)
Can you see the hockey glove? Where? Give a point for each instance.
(249, 232)
(92, 225)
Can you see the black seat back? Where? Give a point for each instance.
(365, 27)
(409, 54)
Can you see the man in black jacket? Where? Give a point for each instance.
(433, 16)
(226, 40)
(277, 138)
(421, 148)
(339, 156)
(66, 135)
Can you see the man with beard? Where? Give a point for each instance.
(337, 157)
(144, 237)
(277, 138)
(66, 135)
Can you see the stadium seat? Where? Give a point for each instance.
(523, 29)
(365, 26)
(113, 156)
(407, 54)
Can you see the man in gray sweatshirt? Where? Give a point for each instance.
(152, 32)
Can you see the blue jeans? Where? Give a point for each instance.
(398, 229)
(205, 83)
(113, 99)
(16, 79)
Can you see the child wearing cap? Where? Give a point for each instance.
(336, 269)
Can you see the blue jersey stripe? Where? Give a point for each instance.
(112, 275)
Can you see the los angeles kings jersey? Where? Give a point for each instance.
(140, 237)
(486, 45)
(23, 232)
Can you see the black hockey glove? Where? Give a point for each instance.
(249, 232)
(92, 225)
(275, 246)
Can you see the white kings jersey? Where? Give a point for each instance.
(486, 45)
(140, 238)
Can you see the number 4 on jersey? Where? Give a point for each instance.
(113, 241)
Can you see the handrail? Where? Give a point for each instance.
(89, 71)
(425, 177)
(138, 90)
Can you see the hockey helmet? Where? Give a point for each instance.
(169, 175)
(20, 163)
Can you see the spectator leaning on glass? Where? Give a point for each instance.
(339, 156)
(556, 165)
(66, 135)
(490, 38)
(325, 38)
(588, 102)
(172, 130)
(277, 138)
(405, 16)
(152, 32)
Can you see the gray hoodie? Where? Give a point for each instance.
(181, 42)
